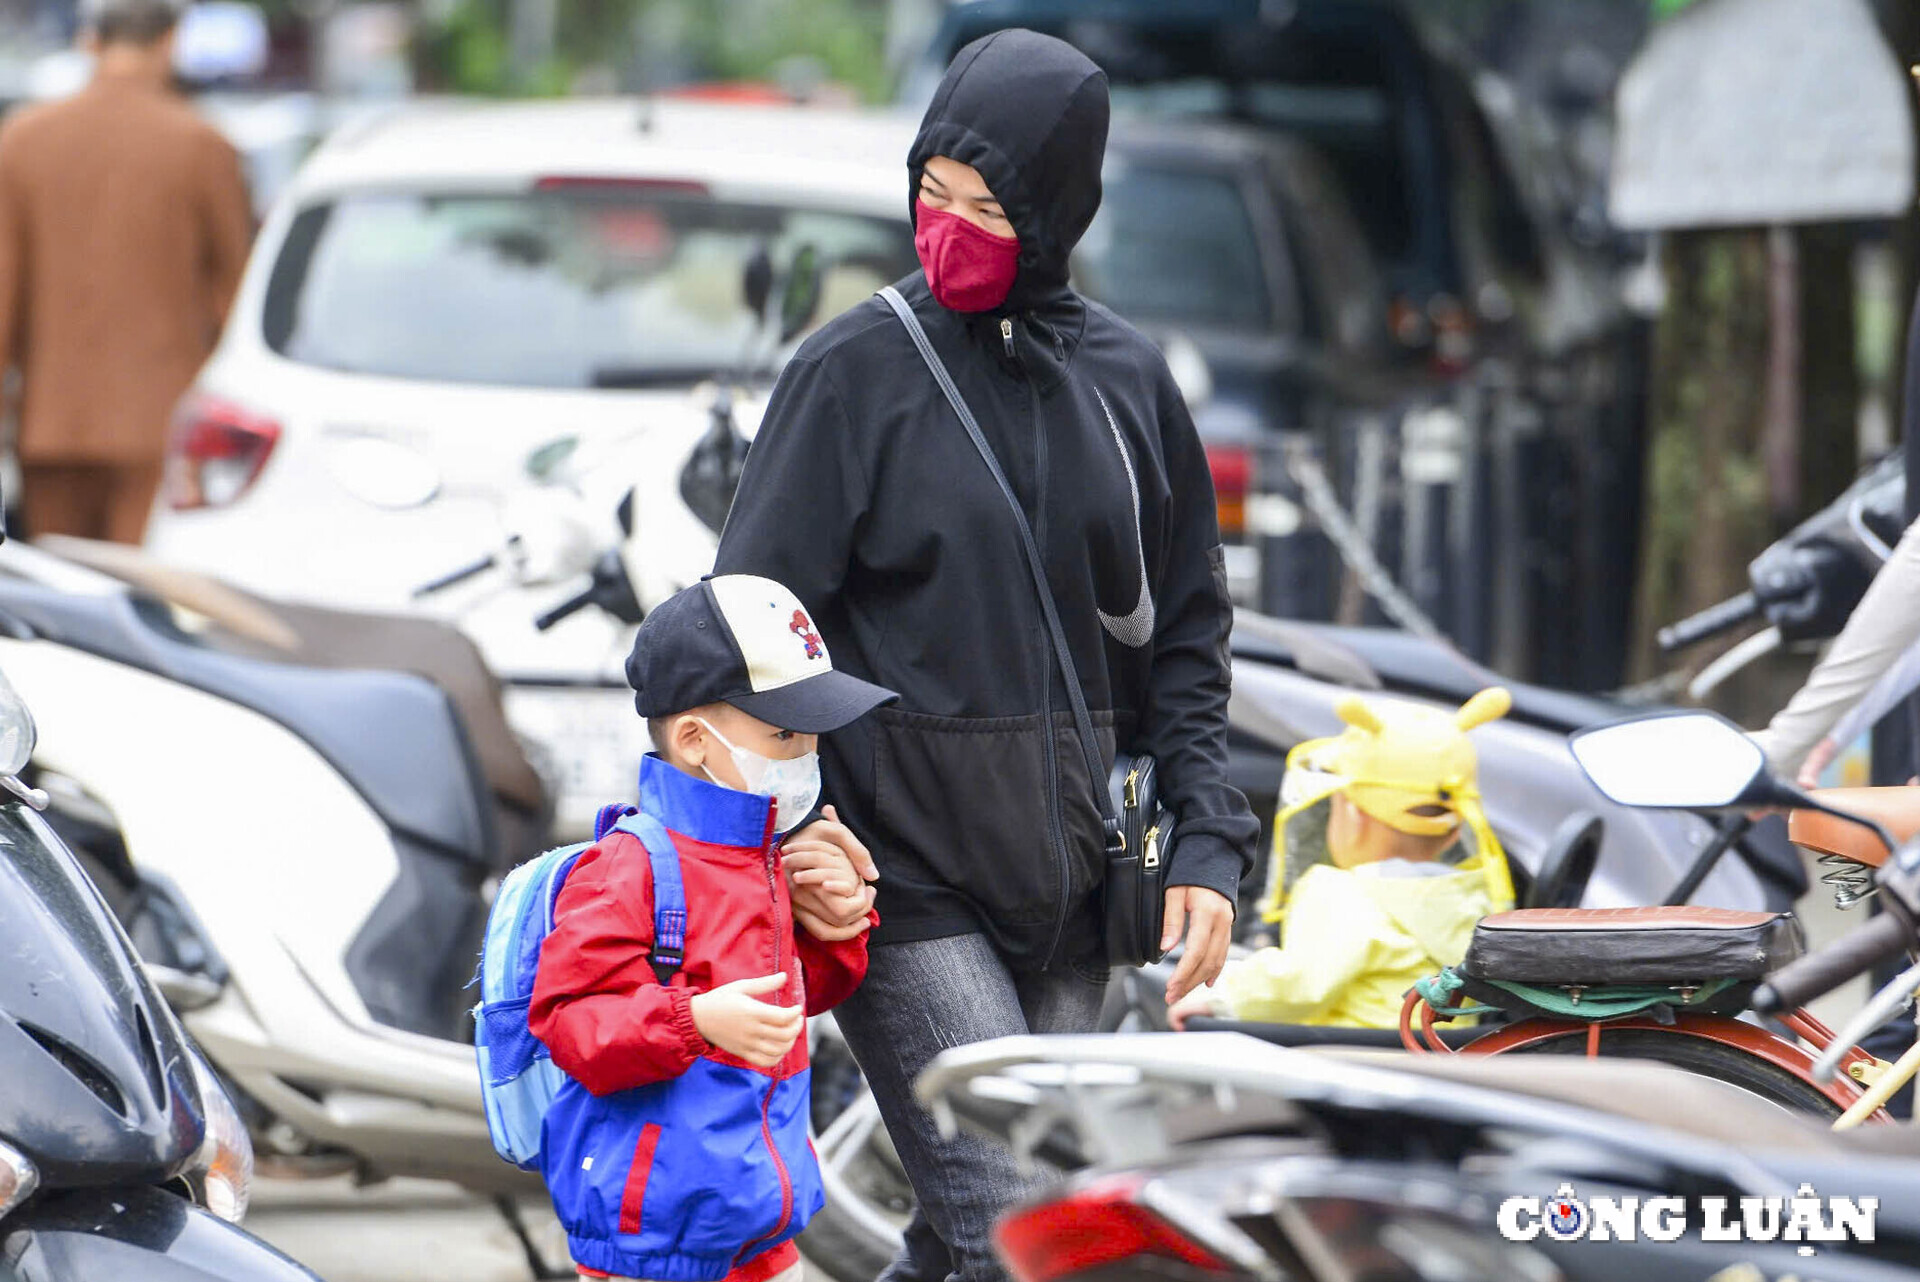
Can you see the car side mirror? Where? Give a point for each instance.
(756, 281)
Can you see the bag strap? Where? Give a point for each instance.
(1089, 744)
(669, 951)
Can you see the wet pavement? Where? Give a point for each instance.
(400, 1231)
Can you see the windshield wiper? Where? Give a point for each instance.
(642, 376)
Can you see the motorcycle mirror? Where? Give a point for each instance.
(383, 473)
(544, 462)
(17, 731)
(1675, 760)
(801, 297)
(756, 283)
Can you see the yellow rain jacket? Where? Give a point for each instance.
(1355, 942)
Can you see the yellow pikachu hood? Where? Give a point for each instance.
(1411, 767)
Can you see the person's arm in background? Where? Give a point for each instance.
(1185, 727)
(1330, 936)
(1882, 627)
(226, 215)
(1898, 684)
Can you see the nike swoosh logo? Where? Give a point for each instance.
(1135, 628)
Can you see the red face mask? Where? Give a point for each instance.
(968, 269)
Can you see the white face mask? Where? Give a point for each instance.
(792, 782)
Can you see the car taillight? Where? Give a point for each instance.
(1232, 468)
(1452, 334)
(218, 451)
(1092, 1227)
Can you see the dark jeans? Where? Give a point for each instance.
(919, 999)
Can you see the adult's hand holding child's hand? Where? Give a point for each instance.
(827, 870)
(733, 1018)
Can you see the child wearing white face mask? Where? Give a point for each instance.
(678, 1150)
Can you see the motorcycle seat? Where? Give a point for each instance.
(417, 774)
(1896, 809)
(322, 637)
(1593, 947)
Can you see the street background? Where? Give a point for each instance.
(1516, 331)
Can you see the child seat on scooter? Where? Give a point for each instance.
(1720, 953)
(518, 1078)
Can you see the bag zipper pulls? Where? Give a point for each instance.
(1006, 335)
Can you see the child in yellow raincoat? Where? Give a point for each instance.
(1403, 886)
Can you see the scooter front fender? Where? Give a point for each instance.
(133, 1233)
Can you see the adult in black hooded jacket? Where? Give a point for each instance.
(865, 496)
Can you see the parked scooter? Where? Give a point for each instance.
(316, 929)
(120, 1153)
(1220, 1156)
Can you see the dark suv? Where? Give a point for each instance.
(1502, 487)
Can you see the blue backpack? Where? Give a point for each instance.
(518, 1078)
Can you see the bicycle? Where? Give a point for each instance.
(1668, 983)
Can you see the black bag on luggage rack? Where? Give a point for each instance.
(1711, 959)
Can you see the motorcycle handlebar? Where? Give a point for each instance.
(460, 575)
(1816, 974)
(1712, 621)
(572, 605)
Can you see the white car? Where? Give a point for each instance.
(442, 292)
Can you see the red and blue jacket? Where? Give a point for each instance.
(666, 1157)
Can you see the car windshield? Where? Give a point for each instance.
(572, 287)
(1174, 245)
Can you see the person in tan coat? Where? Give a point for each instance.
(124, 227)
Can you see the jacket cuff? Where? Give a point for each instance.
(680, 1017)
(1202, 859)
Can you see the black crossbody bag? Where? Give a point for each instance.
(1139, 829)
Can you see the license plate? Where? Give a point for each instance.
(590, 743)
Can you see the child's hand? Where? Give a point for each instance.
(1197, 1002)
(826, 866)
(734, 1019)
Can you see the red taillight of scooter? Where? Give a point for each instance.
(217, 452)
(1095, 1226)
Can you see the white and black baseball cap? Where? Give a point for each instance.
(747, 641)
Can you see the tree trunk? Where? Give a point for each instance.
(1706, 508)
(1830, 368)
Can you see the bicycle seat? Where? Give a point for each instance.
(1593, 947)
(1897, 809)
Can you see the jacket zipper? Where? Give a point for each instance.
(1056, 828)
(766, 1101)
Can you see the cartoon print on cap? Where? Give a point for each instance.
(802, 627)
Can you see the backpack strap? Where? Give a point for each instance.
(669, 896)
(669, 951)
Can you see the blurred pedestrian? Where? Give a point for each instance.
(865, 494)
(124, 224)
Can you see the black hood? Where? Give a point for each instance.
(1030, 113)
